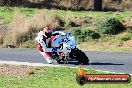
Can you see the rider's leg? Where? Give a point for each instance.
(47, 57)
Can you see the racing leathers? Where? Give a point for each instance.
(44, 46)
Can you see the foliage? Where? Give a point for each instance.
(110, 26)
(125, 37)
(27, 11)
(5, 9)
(119, 17)
(75, 31)
(84, 34)
(90, 33)
(59, 29)
(30, 36)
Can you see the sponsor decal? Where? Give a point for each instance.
(83, 78)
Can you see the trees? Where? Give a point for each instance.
(1, 2)
(98, 5)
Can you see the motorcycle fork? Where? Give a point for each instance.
(66, 58)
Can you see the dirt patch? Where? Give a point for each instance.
(128, 22)
(15, 70)
(78, 21)
(127, 43)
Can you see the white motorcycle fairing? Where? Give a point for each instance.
(64, 45)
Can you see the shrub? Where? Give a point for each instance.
(30, 36)
(119, 17)
(84, 35)
(80, 38)
(61, 22)
(90, 33)
(125, 37)
(110, 26)
(59, 29)
(75, 31)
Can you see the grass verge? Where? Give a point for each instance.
(51, 77)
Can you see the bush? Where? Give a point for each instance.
(110, 26)
(75, 31)
(61, 22)
(59, 29)
(119, 17)
(84, 35)
(30, 36)
(125, 37)
(89, 33)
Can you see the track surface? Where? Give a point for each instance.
(120, 62)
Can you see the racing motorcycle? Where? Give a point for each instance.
(66, 42)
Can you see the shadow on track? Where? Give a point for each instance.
(99, 63)
(94, 63)
(70, 63)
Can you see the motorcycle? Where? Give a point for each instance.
(66, 42)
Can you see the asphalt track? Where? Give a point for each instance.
(120, 62)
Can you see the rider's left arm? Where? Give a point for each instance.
(57, 33)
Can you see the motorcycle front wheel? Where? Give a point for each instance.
(80, 56)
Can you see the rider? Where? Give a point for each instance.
(44, 43)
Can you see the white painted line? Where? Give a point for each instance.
(50, 65)
(109, 71)
(27, 63)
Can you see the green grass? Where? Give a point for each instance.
(6, 13)
(116, 50)
(53, 77)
